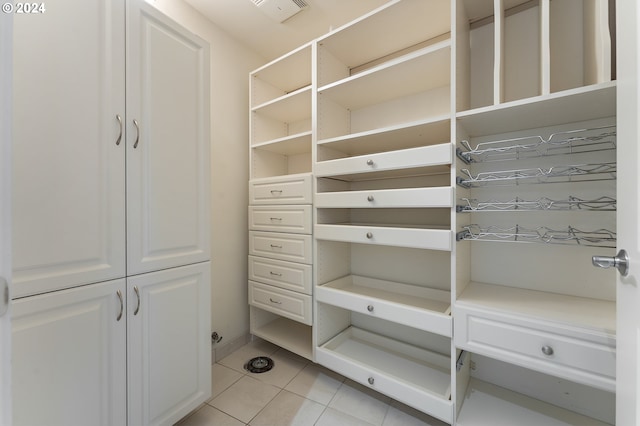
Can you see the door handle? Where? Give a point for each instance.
(4, 296)
(135, 123)
(620, 261)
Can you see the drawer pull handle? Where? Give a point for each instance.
(370, 380)
(369, 162)
(275, 301)
(273, 273)
(369, 235)
(370, 198)
(276, 191)
(275, 246)
(275, 218)
(547, 350)
(370, 308)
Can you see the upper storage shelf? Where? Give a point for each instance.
(281, 76)
(415, 72)
(509, 50)
(395, 28)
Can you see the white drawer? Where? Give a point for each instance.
(434, 239)
(291, 189)
(285, 303)
(290, 247)
(386, 198)
(424, 156)
(575, 354)
(294, 219)
(287, 275)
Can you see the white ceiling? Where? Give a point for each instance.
(247, 23)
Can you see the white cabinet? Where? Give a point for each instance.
(280, 201)
(81, 222)
(168, 344)
(167, 129)
(69, 173)
(69, 354)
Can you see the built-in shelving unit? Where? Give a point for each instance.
(464, 174)
(280, 200)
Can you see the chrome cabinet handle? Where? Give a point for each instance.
(370, 198)
(4, 296)
(276, 191)
(275, 274)
(135, 123)
(135, 288)
(275, 246)
(620, 262)
(276, 218)
(370, 308)
(371, 380)
(547, 350)
(120, 124)
(275, 301)
(119, 293)
(369, 235)
(369, 162)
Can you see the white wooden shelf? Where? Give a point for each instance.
(487, 404)
(393, 162)
(419, 377)
(581, 104)
(299, 143)
(368, 38)
(386, 198)
(285, 74)
(401, 236)
(405, 135)
(290, 335)
(292, 107)
(419, 307)
(582, 312)
(418, 71)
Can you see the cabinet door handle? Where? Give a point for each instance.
(135, 289)
(275, 301)
(135, 123)
(276, 191)
(370, 308)
(279, 219)
(119, 293)
(370, 198)
(273, 273)
(369, 162)
(547, 350)
(275, 246)
(369, 235)
(120, 124)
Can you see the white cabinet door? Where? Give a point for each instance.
(167, 143)
(169, 343)
(628, 293)
(68, 182)
(69, 350)
(6, 31)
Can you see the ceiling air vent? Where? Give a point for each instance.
(280, 10)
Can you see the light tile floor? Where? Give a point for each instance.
(295, 392)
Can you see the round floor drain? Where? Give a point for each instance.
(259, 364)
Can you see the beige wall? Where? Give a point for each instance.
(231, 63)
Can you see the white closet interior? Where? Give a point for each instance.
(464, 175)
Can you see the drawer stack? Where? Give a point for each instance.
(280, 258)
